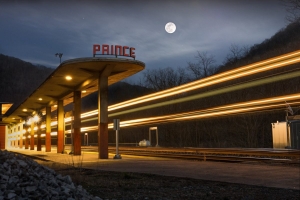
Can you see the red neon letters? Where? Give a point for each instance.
(117, 50)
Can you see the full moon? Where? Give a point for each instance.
(170, 27)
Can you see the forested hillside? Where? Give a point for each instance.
(18, 79)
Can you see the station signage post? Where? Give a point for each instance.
(117, 128)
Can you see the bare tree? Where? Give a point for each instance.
(293, 9)
(160, 79)
(236, 53)
(204, 67)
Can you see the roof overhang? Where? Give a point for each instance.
(4, 107)
(84, 72)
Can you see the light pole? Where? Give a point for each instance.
(59, 55)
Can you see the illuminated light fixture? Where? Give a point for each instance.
(40, 99)
(24, 110)
(53, 133)
(68, 78)
(36, 118)
(55, 106)
(83, 91)
(29, 121)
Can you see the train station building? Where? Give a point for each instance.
(68, 84)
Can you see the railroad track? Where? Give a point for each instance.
(290, 157)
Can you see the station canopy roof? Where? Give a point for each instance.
(84, 73)
(4, 107)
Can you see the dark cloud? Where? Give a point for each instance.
(36, 30)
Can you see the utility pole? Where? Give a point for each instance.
(59, 55)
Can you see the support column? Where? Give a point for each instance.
(39, 139)
(26, 139)
(77, 122)
(48, 129)
(3, 137)
(60, 127)
(32, 136)
(103, 113)
(21, 136)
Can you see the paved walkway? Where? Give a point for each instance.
(251, 174)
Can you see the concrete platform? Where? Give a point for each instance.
(252, 174)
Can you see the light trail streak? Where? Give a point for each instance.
(231, 109)
(269, 64)
(214, 92)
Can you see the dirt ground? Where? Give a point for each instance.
(124, 185)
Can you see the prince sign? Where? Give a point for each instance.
(116, 50)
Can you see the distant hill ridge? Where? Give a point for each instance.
(18, 79)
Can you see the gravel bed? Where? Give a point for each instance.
(23, 178)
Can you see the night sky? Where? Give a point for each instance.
(35, 30)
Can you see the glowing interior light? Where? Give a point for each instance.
(29, 121)
(53, 133)
(68, 78)
(24, 110)
(40, 99)
(83, 91)
(36, 118)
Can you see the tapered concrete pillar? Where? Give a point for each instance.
(103, 113)
(60, 126)
(77, 122)
(48, 129)
(39, 139)
(21, 137)
(26, 140)
(32, 136)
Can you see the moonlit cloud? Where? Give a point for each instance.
(35, 30)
